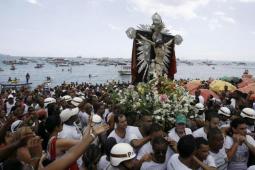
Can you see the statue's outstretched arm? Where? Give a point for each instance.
(145, 39)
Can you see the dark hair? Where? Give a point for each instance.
(210, 114)
(12, 164)
(234, 124)
(93, 152)
(186, 146)
(47, 127)
(157, 141)
(200, 141)
(53, 109)
(109, 143)
(117, 116)
(213, 132)
(155, 127)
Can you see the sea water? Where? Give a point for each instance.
(102, 74)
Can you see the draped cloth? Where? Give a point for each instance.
(138, 77)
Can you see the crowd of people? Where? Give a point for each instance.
(77, 126)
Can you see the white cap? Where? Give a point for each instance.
(200, 106)
(96, 119)
(76, 101)
(49, 100)
(121, 152)
(67, 113)
(15, 125)
(10, 96)
(67, 98)
(224, 111)
(248, 112)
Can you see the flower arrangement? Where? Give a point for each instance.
(162, 98)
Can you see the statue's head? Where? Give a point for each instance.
(156, 19)
(157, 23)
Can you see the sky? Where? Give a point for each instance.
(211, 29)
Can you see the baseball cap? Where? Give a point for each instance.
(180, 118)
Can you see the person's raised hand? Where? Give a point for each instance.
(34, 145)
(97, 130)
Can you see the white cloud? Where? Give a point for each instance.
(253, 32)
(174, 8)
(223, 17)
(34, 2)
(246, 1)
(114, 27)
(214, 24)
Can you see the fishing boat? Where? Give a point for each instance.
(125, 70)
(39, 66)
(13, 67)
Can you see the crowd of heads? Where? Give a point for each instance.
(45, 124)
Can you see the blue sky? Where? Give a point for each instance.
(211, 29)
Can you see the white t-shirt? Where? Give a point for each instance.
(220, 158)
(126, 138)
(134, 133)
(200, 133)
(151, 165)
(209, 161)
(175, 164)
(70, 132)
(147, 149)
(240, 159)
(251, 167)
(174, 136)
(103, 163)
(83, 117)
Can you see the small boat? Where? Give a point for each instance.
(39, 66)
(63, 65)
(13, 67)
(125, 70)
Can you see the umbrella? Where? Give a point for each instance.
(193, 85)
(232, 80)
(248, 88)
(206, 94)
(218, 85)
(245, 82)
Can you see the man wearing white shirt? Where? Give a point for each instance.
(140, 135)
(180, 129)
(120, 133)
(156, 131)
(224, 116)
(159, 159)
(217, 151)
(202, 159)
(184, 160)
(70, 131)
(239, 145)
(211, 121)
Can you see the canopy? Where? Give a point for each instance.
(233, 80)
(245, 82)
(248, 88)
(218, 85)
(206, 94)
(193, 85)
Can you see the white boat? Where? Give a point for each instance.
(125, 70)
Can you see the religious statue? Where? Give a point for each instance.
(153, 51)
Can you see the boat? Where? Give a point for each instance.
(1, 69)
(13, 67)
(39, 65)
(63, 65)
(125, 70)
